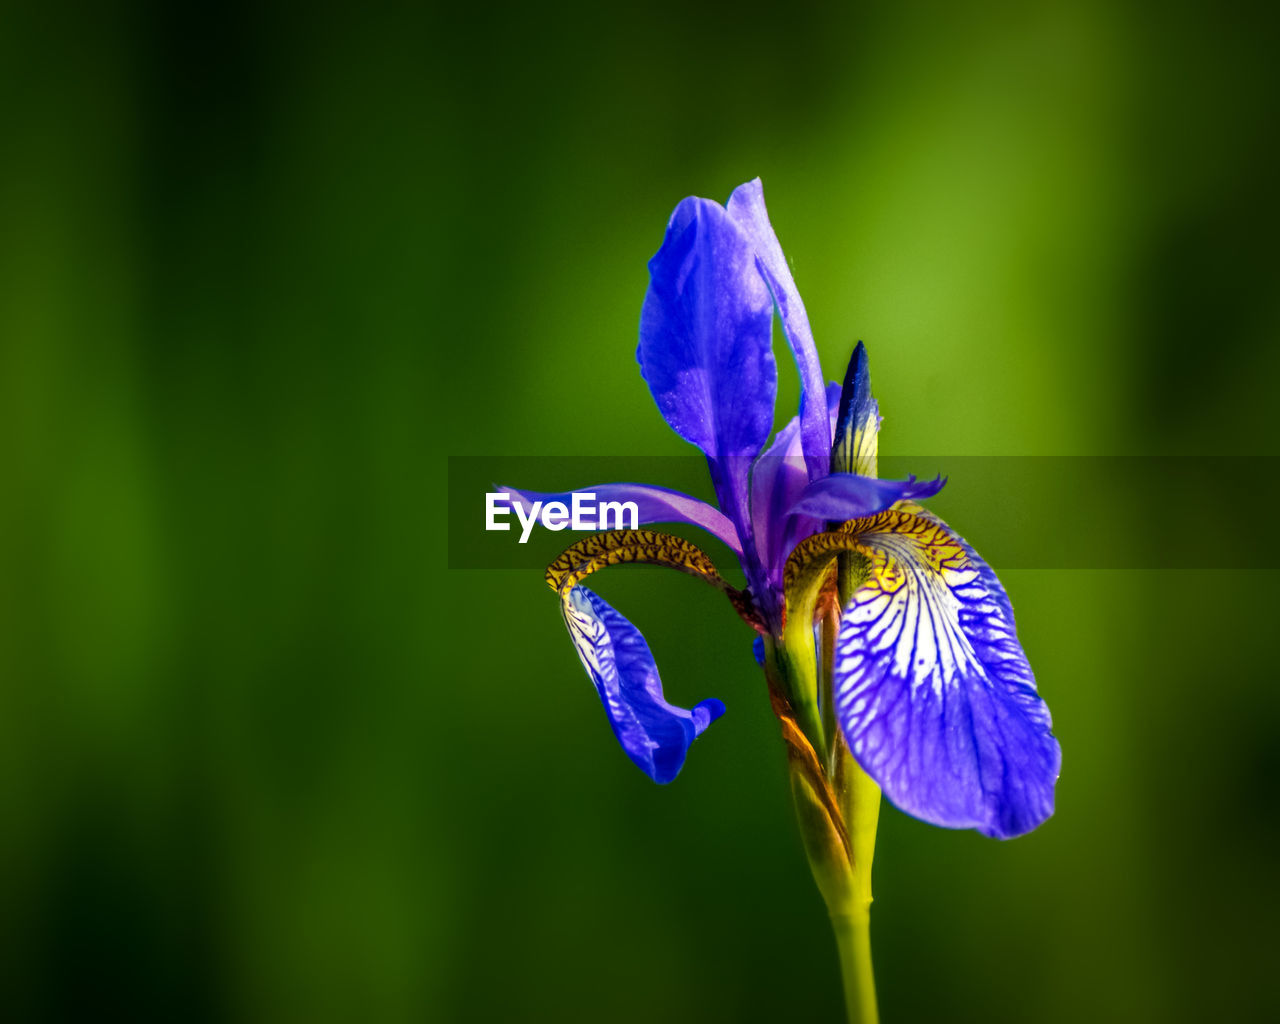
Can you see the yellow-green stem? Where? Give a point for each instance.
(850, 911)
(853, 940)
(837, 803)
(859, 800)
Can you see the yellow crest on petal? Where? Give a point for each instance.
(619, 547)
(643, 547)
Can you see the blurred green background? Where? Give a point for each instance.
(264, 758)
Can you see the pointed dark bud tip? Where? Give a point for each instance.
(855, 397)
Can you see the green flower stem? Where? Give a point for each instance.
(837, 803)
(853, 940)
(841, 864)
(859, 799)
(843, 872)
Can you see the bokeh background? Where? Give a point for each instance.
(263, 757)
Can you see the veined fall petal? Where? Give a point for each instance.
(655, 734)
(932, 689)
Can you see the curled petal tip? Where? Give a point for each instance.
(705, 712)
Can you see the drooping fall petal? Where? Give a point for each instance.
(931, 687)
(655, 734)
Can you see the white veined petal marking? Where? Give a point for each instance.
(908, 610)
(590, 639)
(595, 649)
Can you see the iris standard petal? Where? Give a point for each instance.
(656, 735)
(932, 690)
(706, 345)
(653, 505)
(778, 478)
(746, 207)
(842, 496)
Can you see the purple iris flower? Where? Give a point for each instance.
(925, 679)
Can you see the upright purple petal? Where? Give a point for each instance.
(656, 735)
(706, 345)
(746, 207)
(842, 496)
(778, 478)
(653, 505)
(932, 689)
